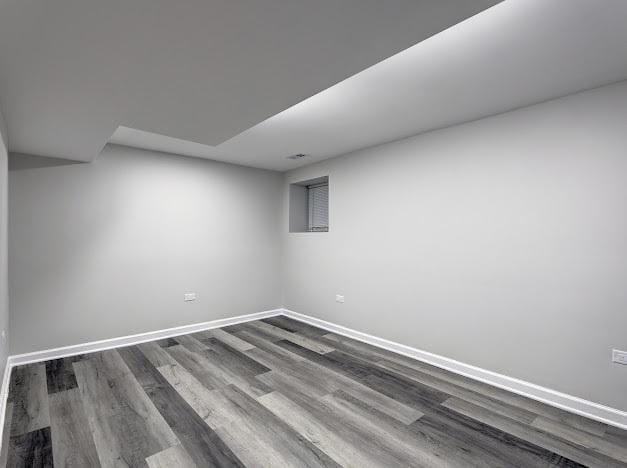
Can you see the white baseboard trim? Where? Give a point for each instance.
(589, 409)
(101, 345)
(560, 400)
(4, 394)
(119, 342)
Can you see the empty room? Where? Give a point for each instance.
(297, 233)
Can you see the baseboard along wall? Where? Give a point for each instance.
(589, 409)
(102, 345)
(573, 404)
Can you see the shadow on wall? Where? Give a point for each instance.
(19, 161)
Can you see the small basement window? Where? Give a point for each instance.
(318, 207)
(309, 205)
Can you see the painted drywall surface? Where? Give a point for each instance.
(106, 249)
(501, 243)
(4, 296)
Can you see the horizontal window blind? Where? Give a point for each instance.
(318, 207)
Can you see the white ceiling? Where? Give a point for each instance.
(516, 53)
(72, 71)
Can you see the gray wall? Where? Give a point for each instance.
(4, 296)
(501, 243)
(108, 249)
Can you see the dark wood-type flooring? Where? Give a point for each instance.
(278, 392)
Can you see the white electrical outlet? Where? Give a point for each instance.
(619, 356)
(190, 297)
(339, 298)
(4, 334)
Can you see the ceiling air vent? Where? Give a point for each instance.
(297, 156)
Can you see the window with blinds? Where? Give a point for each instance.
(318, 207)
(309, 205)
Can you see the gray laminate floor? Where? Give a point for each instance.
(281, 393)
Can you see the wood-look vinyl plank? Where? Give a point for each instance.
(60, 374)
(463, 393)
(31, 449)
(411, 393)
(133, 401)
(288, 373)
(396, 438)
(532, 435)
(293, 367)
(228, 416)
(333, 380)
(255, 437)
(280, 322)
(6, 433)
(100, 409)
(16, 381)
(405, 413)
(372, 353)
(616, 436)
(202, 444)
(257, 338)
(312, 429)
(171, 457)
(524, 404)
(363, 371)
(99, 401)
(126, 426)
(275, 356)
(119, 441)
(233, 329)
(295, 326)
(156, 354)
(202, 400)
(249, 333)
(279, 392)
(252, 452)
(459, 453)
(280, 381)
(359, 348)
(372, 451)
(477, 443)
(227, 368)
(310, 343)
(72, 445)
(574, 420)
(166, 342)
(236, 360)
(441, 448)
(30, 399)
(192, 344)
(585, 439)
(375, 354)
(261, 439)
(229, 339)
(197, 365)
(209, 368)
